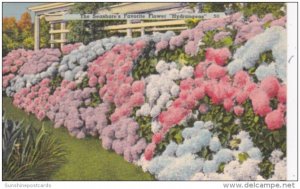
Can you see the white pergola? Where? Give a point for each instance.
(50, 9)
(53, 13)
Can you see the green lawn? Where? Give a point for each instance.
(86, 159)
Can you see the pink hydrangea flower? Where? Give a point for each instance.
(281, 95)
(241, 78)
(228, 104)
(203, 108)
(219, 56)
(161, 45)
(215, 71)
(93, 81)
(238, 110)
(275, 120)
(138, 86)
(200, 69)
(149, 151)
(260, 102)
(270, 85)
(157, 138)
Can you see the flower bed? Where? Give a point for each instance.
(207, 104)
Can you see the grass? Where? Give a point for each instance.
(86, 159)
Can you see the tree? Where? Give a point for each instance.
(8, 44)
(261, 9)
(10, 27)
(11, 38)
(26, 30)
(25, 22)
(248, 9)
(28, 42)
(44, 33)
(87, 30)
(220, 7)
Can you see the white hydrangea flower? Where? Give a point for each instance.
(245, 145)
(255, 154)
(175, 90)
(173, 74)
(161, 66)
(170, 149)
(259, 178)
(142, 162)
(160, 88)
(155, 111)
(145, 109)
(182, 168)
(163, 99)
(214, 144)
(199, 176)
(280, 170)
(276, 156)
(194, 144)
(248, 170)
(186, 72)
(208, 125)
(265, 70)
(157, 164)
(223, 156)
(155, 126)
(169, 103)
(210, 166)
(235, 66)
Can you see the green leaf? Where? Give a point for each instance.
(227, 41)
(227, 118)
(181, 59)
(221, 168)
(256, 119)
(234, 143)
(243, 157)
(178, 138)
(252, 70)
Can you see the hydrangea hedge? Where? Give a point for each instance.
(207, 104)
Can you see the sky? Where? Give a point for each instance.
(16, 9)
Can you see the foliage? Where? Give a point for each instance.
(8, 44)
(213, 7)
(261, 9)
(192, 22)
(25, 27)
(55, 82)
(145, 65)
(227, 126)
(178, 55)
(44, 33)
(145, 127)
(19, 34)
(11, 132)
(28, 42)
(11, 36)
(86, 31)
(29, 153)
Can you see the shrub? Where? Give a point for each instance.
(29, 153)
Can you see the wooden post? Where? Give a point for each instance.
(51, 35)
(63, 34)
(129, 30)
(142, 29)
(36, 32)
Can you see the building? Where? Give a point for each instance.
(53, 13)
